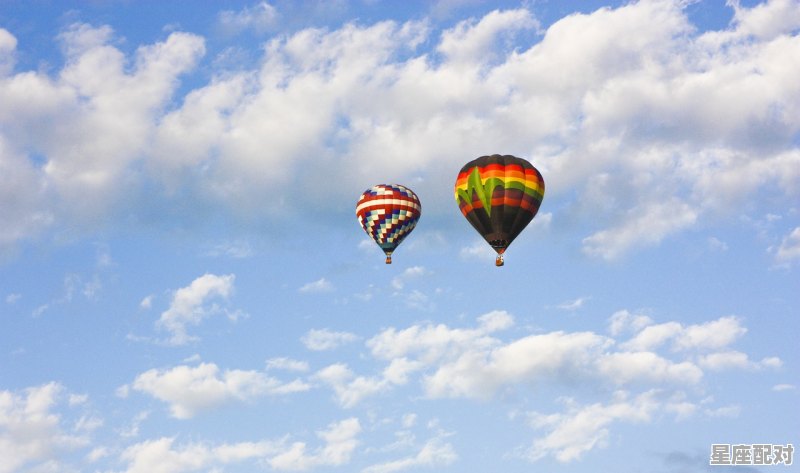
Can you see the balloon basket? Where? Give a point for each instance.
(389, 259)
(499, 261)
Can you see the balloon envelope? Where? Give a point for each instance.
(499, 196)
(388, 213)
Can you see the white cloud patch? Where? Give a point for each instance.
(324, 339)
(435, 453)
(190, 390)
(349, 388)
(32, 434)
(573, 305)
(193, 303)
(643, 225)
(260, 18)
(706, 336)
(479, 249)
(583, 428)
(340, 440)
(163, 455)
(399, 282)
(288, 364)
(8, 46)
(789, 249)
(319, 286)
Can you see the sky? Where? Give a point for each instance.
(184, 286)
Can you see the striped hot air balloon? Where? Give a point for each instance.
(388, 213)
(499, 196)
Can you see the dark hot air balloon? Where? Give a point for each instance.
(388, 213)
(499, 196)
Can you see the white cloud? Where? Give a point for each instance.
(583, 428)
(711, 335)
(573, 305)
(409, 420)
(725, 411)
(340, 442)
(191, 389)
(643, 126)
(324, 339)
(716, 244)
(398, 282)
(8, 46)
(644, 225)
(147, 302)
(471, 42)
(768, 19)
(164, 456)
(190, 305)
(627, 367)
(624, 320)
(478, 249)
(261, 17)
(784, 387)
(436, 453)
(789, 249)
(349, 388)
(318, 286)
(283, 363)
(31, 433)
(473, 364)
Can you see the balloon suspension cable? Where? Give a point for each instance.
(388, 259)
(499, 261)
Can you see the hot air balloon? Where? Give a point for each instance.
(499, 196)
(388, 213)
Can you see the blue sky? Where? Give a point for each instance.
(184, 286)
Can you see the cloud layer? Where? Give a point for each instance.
(636, 120)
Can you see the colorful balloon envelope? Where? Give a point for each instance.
(499, 196)
(388, 213)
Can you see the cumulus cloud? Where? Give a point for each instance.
(32, 434)
(706, 336)
(190, 305)
(479, 362)
(644, 127)
(475, 363)
(191, 389)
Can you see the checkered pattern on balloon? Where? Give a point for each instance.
(388, 213)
